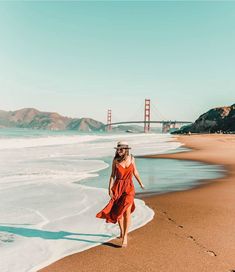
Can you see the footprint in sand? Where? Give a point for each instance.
(170, 219)
(211, 253)
(191, 238)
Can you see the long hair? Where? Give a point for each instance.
(123, 157)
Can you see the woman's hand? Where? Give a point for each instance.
(142, 186)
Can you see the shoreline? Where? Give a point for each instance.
(191, 230)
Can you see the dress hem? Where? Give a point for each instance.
(107, 217)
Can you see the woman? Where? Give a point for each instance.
(121, 191)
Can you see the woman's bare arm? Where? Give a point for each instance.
(112, 176)
(136, 174)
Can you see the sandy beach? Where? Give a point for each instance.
(191, 231)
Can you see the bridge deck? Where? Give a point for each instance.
(151, 122)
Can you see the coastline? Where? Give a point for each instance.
(192, 230)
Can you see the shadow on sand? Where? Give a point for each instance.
(110, 244)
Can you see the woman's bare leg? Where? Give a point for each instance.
(127, 223)
(120, 222)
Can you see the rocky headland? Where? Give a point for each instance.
(216, 120)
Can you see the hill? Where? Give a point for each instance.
(219, 119)
(35, 119)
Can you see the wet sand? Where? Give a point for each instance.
(192, 230)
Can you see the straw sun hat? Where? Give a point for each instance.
(122, 144)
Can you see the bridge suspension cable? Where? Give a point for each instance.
(158, 113)
(138, 115)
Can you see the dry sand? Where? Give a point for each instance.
(192, 230)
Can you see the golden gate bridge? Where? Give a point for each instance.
(166, 124)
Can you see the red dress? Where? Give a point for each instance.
(123, 195)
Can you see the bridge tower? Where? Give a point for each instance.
(147, 116)
(109, 120)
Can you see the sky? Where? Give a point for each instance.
(81, 58)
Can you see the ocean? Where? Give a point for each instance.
(52, 184)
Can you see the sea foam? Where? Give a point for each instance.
(44, 214)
